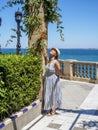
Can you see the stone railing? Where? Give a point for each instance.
(79, 70)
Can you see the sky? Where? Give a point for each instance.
(80, 22)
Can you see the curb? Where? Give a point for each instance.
(22, 118)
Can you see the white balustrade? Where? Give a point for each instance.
(79, 70)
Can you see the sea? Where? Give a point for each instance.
(66, 54)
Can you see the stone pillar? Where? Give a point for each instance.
(68, 69)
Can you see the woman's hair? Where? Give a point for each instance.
(56, 57)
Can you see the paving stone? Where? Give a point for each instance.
(54, 125)
(77, 128)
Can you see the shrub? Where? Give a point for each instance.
(19, 82)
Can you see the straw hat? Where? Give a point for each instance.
(57, 51)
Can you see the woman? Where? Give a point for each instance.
(52, 87)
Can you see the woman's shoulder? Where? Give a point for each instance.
(53, 62)
(56, 62)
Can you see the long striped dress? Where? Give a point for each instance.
(52, 88)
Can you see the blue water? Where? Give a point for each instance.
(76, 54)
(11, 51)
(79, 54)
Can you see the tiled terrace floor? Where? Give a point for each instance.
(79, 110)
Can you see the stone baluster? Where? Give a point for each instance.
(74, 70)
(90, 71)
(82, 71)
(87, 71)
(62, 67)
(96, 74)
(79, 68)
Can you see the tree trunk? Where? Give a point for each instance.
(35, 34)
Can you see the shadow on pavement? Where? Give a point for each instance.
(92, 123)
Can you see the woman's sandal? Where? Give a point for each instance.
(53, 112)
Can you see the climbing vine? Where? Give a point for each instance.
(51, 13)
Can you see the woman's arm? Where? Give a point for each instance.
(44, 53)
(58, 69)
(46, 59)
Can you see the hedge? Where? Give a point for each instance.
(19, 82)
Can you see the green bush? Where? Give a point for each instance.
(19, 82)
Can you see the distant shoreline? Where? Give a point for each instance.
(78, 48)
(60, 48)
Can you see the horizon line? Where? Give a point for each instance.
(50, 48)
